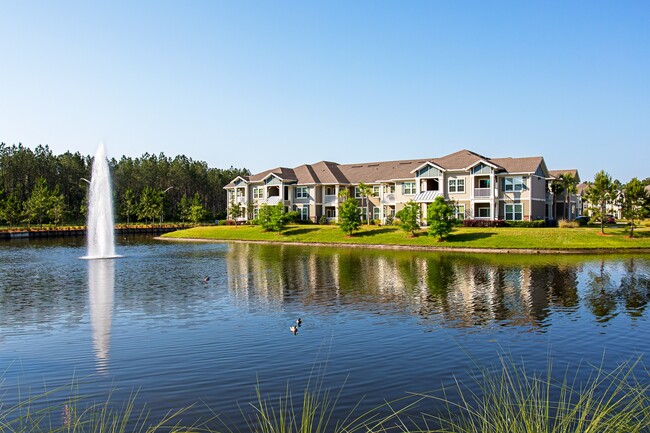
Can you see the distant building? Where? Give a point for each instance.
(481, 187)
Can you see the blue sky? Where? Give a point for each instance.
(281, 83)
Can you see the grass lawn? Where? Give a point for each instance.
(616, 237)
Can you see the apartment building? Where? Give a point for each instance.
(480, 187)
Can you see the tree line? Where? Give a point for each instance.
(39, 187)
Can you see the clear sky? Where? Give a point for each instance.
(281, 83)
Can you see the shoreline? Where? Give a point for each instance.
(531, 251)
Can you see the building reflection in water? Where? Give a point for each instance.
(460, 291)
(101, 285)
(453, 289)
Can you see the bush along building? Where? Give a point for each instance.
(515, 189)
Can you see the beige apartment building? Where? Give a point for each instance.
(480, 187)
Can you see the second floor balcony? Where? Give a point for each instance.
(482, 192)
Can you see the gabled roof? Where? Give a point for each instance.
(429, 163)
(330, 173)
(522, 165)
(558, 173)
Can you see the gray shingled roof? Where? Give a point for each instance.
(327, 172)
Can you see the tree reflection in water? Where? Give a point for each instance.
(455, 289)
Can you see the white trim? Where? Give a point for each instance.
(469, 167)
(430, 164)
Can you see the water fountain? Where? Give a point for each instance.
(100, 228)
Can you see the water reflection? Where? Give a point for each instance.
(101, 285)
(457, 290)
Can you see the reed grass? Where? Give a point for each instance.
(513, 400)
(509, 399)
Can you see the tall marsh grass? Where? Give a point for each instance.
(513, 400)
(509, 399)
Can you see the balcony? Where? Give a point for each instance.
(388, 199)
(330, 200)
(482, 192)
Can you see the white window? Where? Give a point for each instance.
(515, 212)
(459, 211)
(375, 213)
(389, 189)
(460, 185)
(256, 213)
(408, 188)
(514, 183)
(330, 190)
(484, 183)
(258, 192)
(484, 212)
(375, 190)
(302, 192)
(357, 192)
(304, 213)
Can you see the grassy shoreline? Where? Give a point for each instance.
(468, 239)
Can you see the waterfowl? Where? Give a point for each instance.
(294, 329)
(299, 321)
(206, 279)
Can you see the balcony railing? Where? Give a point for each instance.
(240, 200)
(482, 192)
(389, 199)
(330, 200)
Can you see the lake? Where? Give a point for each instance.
(376, 325)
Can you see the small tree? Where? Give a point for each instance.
(440, 218)
(10, 209)
(569, 185)
(38, 203)
(409, 217)
(129, 205)
(235, 210)
(556, 188)
(196, 211)
(56, 208)
(150, 205)
(600, 192)
(366, 191)
(272, 218)
(184, 208)
(349, 216)
(635, 202)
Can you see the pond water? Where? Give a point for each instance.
(376, 325)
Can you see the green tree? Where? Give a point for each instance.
(556, 188)
(272, 218)
(150, 205)
(635, 202)
(56, 207)
(129, 205)
(409, 217)
(440, 218)
(196, 211)
(366, 191)
(38, 203)
(184, 208)
(10, 211)
(349, 215)
(570, 186)
(236, 210)
(599, 194)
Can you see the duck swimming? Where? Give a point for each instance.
(294, 329)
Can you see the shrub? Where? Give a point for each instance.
(323, 220)
(376, 222)
(484, 223)
(565, 224)
(390, 219)
(527, 224)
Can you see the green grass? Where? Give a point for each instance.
(506, 399)
(616, 237)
